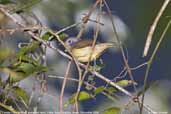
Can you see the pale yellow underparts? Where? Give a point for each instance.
(83, 54)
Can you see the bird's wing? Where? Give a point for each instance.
(82, 43)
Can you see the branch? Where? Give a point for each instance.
(46, 43)
(64, 54)
(153, 27)
(151, 60)
(63, 87)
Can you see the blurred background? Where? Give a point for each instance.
(132, 20)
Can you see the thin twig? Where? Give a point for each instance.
(85, 21)
(150, 62)
(9, 108)
(47, 44)
(69, 51)
(65, 28)
(86, 18)
(67, 56)
(22, 25)
(58, 50)
(63, 87)
(120, 76)
(139, 66)
(86, 83)
(121, 48)
(124, 71)
(92, 51)
(153, 27)
(112, 83)
(12, 30)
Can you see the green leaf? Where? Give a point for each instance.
(124, 83)
(90, 78)
(5, 53)
(13, 75)
(46, 36)
(40, 68)
(62, 36)
(26, 58)
(49, 37)
(5, 1)
(27, 68)
(112, 110)
(30, 47)
(20, 93)
(81, 97)
(95, 67)
(99, 90)
(110, 90)
(22, 70)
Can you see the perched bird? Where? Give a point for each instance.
(82, 49)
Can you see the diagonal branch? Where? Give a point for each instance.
(150, 62)
(153, 27)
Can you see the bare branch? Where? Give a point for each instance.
(63, 87)
(153, 27)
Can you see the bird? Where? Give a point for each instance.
(83, 51)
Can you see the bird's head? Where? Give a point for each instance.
(71, 41)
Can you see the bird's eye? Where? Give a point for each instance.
(70, 41)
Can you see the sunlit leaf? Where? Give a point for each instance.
(81, 97)
(111, 90)
(124, 83)
(30, 47)
(62, 36)
(21, 93)
(112, 110)
(95, 67)
(48, 36)
(99, 90)
(90, 78)
(107, 89)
